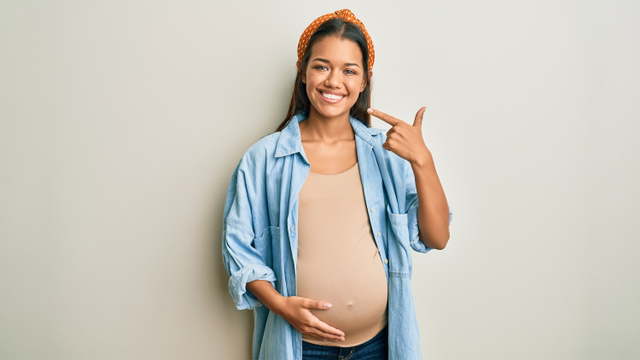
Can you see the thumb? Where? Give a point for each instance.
(418, 121)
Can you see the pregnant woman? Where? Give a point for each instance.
(321, 215)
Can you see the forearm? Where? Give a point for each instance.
(433, 210)
(265, 292)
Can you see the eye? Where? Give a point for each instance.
(320, 67)
(350, 72)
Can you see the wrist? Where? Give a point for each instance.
(422, 160)
(275, 303)
(267, 295)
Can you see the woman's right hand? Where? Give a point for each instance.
(297, 311)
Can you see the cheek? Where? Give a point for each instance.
(311, 80)
(357, 85)
(311, 89)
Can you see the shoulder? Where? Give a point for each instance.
(261, 150)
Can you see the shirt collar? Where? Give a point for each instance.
(291, 143)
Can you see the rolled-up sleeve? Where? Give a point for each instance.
(243, 262)
(412, 218)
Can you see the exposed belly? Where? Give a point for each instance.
(356, 289)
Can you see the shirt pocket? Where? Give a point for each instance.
(399, 246)
(264, 243)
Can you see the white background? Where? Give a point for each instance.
(122, 121)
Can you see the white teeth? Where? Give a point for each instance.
(332, 97)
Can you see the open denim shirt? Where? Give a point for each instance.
(260, 239)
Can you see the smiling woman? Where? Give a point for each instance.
(334, 77)
(349, 32)
(321, 215)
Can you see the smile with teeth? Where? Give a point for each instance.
(332, 96)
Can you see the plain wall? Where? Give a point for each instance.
(122, 121)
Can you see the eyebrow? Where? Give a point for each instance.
(328, 62)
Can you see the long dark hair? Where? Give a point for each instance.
(299, 99)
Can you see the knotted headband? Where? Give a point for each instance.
(344, 14)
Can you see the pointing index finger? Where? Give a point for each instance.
(384, 117)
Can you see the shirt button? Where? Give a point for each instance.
(373, 209)
(386, 261)
(293, 228)
(378, 234)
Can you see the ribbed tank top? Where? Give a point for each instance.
(338, 260)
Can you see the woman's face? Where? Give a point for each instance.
(334, 76)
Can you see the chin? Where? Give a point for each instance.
(331, 112)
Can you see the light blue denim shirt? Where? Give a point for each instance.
(260, 239)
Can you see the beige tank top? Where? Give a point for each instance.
(338, 260)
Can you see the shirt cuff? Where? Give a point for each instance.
(238, 284)
(416, 243)
(414, 230)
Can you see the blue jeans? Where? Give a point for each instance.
(374, 349)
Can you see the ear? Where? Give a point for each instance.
(303, 75)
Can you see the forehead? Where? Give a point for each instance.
(336, 49)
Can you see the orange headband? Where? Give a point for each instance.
(345, 15)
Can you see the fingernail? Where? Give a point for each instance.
(370, 110)
(327, 306)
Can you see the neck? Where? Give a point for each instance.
(320, 128)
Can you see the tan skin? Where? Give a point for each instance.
(335, 70)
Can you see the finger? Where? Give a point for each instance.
(320, 335)
(317, 304)
(418, 121)
(384, 117)
(316, 336)
(329, 331)
(322, 330)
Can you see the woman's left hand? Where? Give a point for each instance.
(403, 139)
(433, 212)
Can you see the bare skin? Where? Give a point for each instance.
(328, 154)
(406, 141)
(329, 144)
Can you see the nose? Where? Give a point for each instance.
(333, 79)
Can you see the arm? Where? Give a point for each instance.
(406, 141)
(433, 210)
(243, 262)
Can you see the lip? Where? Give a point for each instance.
(331, 101)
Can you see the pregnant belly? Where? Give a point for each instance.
(357, 293)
